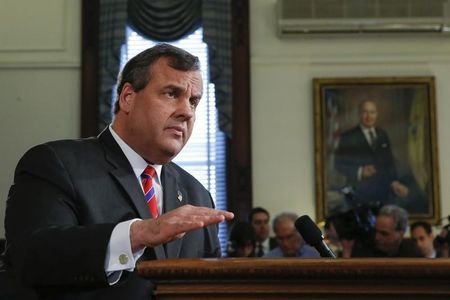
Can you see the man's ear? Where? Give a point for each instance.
(126, 97)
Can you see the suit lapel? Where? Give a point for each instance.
(123, 173)
(174, 197)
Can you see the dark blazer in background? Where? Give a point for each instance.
(354, 152)
(272, 243)
(407, 248)
(66, 199)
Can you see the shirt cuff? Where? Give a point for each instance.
(119, 256)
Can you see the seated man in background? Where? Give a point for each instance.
(290, 242)
(259, 218)
(422, 235)
(390, 227)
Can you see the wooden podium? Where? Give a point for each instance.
(323, 278)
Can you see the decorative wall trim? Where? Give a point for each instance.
(55, 41)
(41, 65)
(400, 59)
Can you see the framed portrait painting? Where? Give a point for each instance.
(375, 144)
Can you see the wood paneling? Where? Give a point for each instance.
(299, 278)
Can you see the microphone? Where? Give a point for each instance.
(313, 236)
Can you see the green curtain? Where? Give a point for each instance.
(166, 20)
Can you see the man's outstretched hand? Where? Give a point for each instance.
(173, 225)
(399, 189)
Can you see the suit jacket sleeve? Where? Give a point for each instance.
(199, 243)
(347, 161)
(385, 158)
(47, 245)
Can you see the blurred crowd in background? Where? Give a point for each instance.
(368, 231)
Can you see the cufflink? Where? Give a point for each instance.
(123, 259)
(180, 196)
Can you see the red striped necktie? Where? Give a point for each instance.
(149, 190)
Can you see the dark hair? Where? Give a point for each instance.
(137, 70)
(241, 235)
(426, 226)
(257, 210)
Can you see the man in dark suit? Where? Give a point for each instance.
(390, 227)
(259, 218)
(423, 236)
(364, 157)
(77, 219)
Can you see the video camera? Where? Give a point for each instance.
(355, 221)
(356, 224)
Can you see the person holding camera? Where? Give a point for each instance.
(390, 227)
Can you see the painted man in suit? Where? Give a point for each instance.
(364, 157)
(77, 220)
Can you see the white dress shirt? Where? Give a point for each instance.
(366, 131)
(119, 256)
(265, 246)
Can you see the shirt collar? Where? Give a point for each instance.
(433, 254)
(367, 129)
(265, 244)
(136, 161)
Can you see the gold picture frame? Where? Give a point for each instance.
(348, 174)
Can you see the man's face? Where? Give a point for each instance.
(260, 222)
(158, 120)
(387, 239)
(368, 114)
(423, 240)
(289, 240)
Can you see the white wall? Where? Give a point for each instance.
(282, 104)
(39, 79)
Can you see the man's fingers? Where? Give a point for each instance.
(207, 215)
(195, 221)
(208, 211)
(176, 223)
